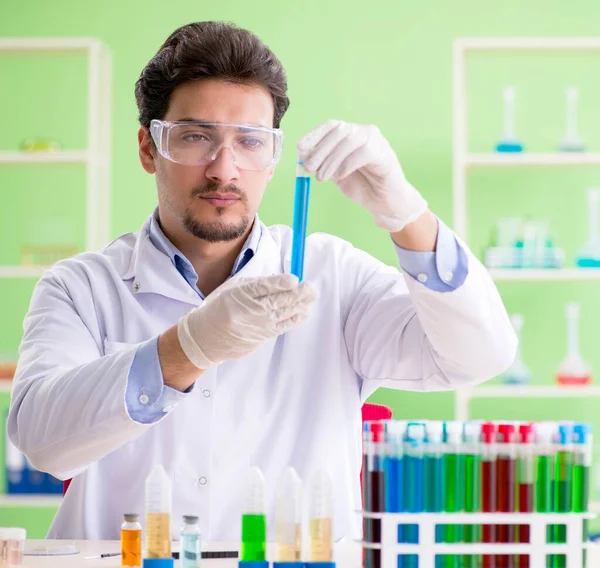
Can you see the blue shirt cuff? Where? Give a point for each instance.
(443, 270)
(147, 398)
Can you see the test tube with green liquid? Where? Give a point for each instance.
(472, 457)
(254, 519)
(582, 450)
(454, 496)
(562, 488)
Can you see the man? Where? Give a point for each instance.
(189, 344)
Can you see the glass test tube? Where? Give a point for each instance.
(434, 473)
(288, 518)
(190, 543)
(525, 482)
(506, 488)
(562, 483)
(320, 518)
(414, 500)
(254, 518)
(300, 220)
(366, 492)
(582, 449)
(393, 466)
(454, 470)
(472, 453)
(489, 449)
(131, 541)
(158, 514)
(376, 476)
(16, 546)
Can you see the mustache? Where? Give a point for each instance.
(212, 187)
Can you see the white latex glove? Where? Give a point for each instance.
(363, 165)
(238, 317)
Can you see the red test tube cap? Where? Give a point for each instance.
(488, 432)
(526, 433)
(378, 431)
(506, 433)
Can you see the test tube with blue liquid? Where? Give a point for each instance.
(300, 221)
(414, 494)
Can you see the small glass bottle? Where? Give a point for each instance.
(131, 541)
(190, 551)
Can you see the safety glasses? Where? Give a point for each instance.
(197, 143)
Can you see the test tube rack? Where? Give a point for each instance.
(427, 548)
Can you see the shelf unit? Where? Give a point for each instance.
(30, 500)
(465, 161)
(547, 274)
(95, 158)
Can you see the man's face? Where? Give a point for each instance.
(216, 202)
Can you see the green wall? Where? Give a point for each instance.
(387, 62)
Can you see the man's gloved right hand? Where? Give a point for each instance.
(238, 317)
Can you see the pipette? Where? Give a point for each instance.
(254, 520)
(573, 370)
(320, 512)
(518, 372)
(301, 199)
(288, 519)
(158, 519)
(589, 257)
(509, 142)
(571, 141)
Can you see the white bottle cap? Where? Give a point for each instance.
(17, 533)
(289, 489)
(320, 496)
(254, 498)
(435, 430)
(158, 491)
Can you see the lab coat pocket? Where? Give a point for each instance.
(111, 347)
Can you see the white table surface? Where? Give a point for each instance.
(347, 555)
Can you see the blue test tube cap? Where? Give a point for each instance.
(253, 564)
(565, 433)
(581, 433)
(319, 564)
(288, 564)
(158, 563)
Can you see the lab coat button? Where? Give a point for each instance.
(205, 393)
(202, 481)
(144, 399)
(422, 278)
(136, 286)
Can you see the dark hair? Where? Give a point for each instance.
(215, 50)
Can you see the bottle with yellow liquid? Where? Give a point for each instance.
(131, 541)
(158, 520)
(320, 512)
(288, 519)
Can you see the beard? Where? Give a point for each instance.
(220, 230)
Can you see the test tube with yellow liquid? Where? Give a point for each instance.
(288, 519)
(158, 520)
(320, 513)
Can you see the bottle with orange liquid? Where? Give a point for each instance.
(573, 370)
(131, 541)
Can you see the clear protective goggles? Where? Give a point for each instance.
(197, 143)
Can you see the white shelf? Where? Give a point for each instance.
(533, 43)
(533, 391)
(548, 274)
(22, 271)
(59, 157)
(532, 159)
(5, 385)
(49, 44)
(30, 500)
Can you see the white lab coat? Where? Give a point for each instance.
(371, 327)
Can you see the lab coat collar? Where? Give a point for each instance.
(152, 272)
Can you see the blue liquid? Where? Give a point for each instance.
(190, 552)
(414, 502)
(301, 198)
(394, 479)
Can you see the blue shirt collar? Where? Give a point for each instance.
(184, 266)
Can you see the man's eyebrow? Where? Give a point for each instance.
(210, 124)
